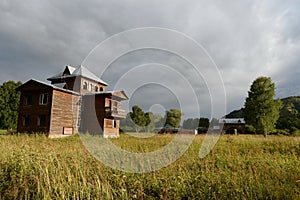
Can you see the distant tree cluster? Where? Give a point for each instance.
(201, 124)
(9, 104)
(138, 120)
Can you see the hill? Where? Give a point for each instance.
(289, 114)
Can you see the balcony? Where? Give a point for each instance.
(115, 112)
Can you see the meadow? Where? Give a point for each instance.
(239, 167)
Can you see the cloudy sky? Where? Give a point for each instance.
(244, 39)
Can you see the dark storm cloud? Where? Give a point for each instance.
(245, 39)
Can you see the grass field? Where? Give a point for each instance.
(239, 167)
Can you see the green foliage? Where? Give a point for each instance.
(190, 123)
(9, 104)
(150, 122)
(194, 123)
(138, 117)
(249, 129)
(280, 132)
(214, 122)
(236, 114)
(239, 167)
(289, 114)
(173, 117)
(127, 125)
(261, 110)
(159, 121)
(295, 131)
(3, 132)
(203, 122)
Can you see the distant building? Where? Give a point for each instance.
(75, 100)
(233, 125)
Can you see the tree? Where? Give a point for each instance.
(203, 122)
(138, 117)
(159, 121)
(173, 117)
(190, 123)
(9, 104)
(127, 125)
(150, 121)
(261, 110)
(214, 122)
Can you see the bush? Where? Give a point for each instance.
(280, 132)
(249, 129)
(295, 131)
(202, 130)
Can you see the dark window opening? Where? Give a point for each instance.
(43, 99)
(96, 88)
(85, 85)
(26, 120)
(42, 120)
(28, 100)
(101, 89)
(115, 123)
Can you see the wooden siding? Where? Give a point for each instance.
(229, 128)
(109, 129)
(34, 110)
(63, 113)
(89, 82)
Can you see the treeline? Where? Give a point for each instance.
(140, 121)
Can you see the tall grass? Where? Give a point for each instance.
(239, 167)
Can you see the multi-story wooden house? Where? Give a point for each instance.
(75, 100)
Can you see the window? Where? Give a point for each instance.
(96, 88)
(114, 124)
(43, 99)
(41, 120)
(115, 106)
(28, 100)
(101, 89)
(85, 85)
(26, 120)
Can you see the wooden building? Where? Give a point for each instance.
(233, 125)
(75, 100)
